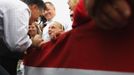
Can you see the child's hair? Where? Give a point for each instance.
(59, 24)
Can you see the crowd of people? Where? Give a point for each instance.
(98, 42)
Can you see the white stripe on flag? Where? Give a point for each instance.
(68, 71)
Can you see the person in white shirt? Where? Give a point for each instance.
(14, 21)
(51, 15)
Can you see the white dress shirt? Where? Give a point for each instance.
(15, 17)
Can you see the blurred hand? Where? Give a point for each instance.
(110, 14)
(37, 40)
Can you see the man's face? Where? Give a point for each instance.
(35, 12)
(49, 13)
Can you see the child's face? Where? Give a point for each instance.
(32, 30)
(54, 31)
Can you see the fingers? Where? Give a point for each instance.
(104, 22)
(36, 40)
(123, 8)
(114, 14)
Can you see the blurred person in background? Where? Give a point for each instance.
(54, 31)
(51, 15)
(14, 21)
(72, 4)
(34, 30)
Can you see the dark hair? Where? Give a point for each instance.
(43, 19)
(39, 3)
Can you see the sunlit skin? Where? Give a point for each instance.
(72, 4)
(49, 12)
(35, 13)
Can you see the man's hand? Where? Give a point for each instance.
(110, 14)
(37, 41)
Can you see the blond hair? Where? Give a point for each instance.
(59, 25)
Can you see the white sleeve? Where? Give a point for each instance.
(16, 28)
